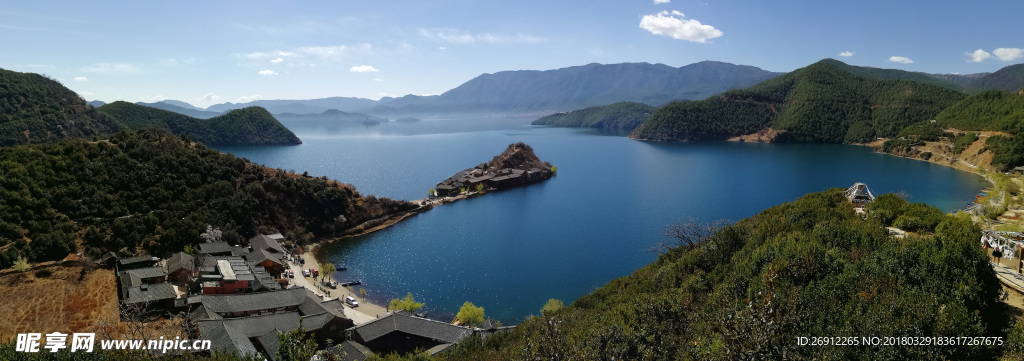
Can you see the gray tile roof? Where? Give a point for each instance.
(226, 339)
(137, 259)
(214, 248)
(255, 326)
(265, 242)
(271, 344)
(404, 322)
(152, 293)
(254, 301)
(258, 255)
(181, 260)
(151, 272)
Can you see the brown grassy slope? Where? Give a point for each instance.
(59, 303)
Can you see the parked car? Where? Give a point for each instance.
(291, 274)
(305, 273)
(351, 302)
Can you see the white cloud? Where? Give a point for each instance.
(209, 97)
(81, 78)
(442, 48)
(362, 69)
(846, 53)
(675, 24)
(278, 60)
(285, 53)
(112, 68)
(661, 1)
(978, 56)
(900, 59)
(378, 79)
(455, 36)
(246, 99)
(267, 72)
(1008, 54)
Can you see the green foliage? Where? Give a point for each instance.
(246, 126)
(963, 141)
(470, 315)
(150, 190)
(407, 303)
(1007, 152)
(621, 115)
(296, 345)
(927, 131)
(811, 267)
(37, 109)
(551, 306)
(21, 265)
(989, 110)
(891, 210)
(886, 208)
(826, 102)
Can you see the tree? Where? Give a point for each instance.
(362, 293)
(296, 346)
(470, 315)
(689, 233)
(432, 192)
(479, 187)
(407, 303)
(554, 169)
(550, 307)
(21, 265)
(327, 269)
(212, 234)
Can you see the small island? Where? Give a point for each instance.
(516, 166)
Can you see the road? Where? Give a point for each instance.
(366, 311)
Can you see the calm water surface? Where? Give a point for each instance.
(612, 199)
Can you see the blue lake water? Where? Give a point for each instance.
(612, 199)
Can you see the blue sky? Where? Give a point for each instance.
(217, 51)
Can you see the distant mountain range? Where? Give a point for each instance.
(528, 92)
(246, 126)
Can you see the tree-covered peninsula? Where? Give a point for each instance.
(825, 102)
(621, 115)
(153, 192)
(245, 126)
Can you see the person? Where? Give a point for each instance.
(997, 254)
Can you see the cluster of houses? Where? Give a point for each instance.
(238, 298)
(472, 178)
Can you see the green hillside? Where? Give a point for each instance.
(621, 115)
(151, 191)
(36, 109)
(1010, 78)
(994, 110)
(807, 268)
(826, 102)
(245, 126)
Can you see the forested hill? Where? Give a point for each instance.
(246, 126)
(621, 115)
(1009, 79)
(153, 192)
(826, 102)
(809, 268)
(992, 110)
(36, 109)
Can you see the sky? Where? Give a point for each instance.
(208, 52)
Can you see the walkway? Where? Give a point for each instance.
(366, 311)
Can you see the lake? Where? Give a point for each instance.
(613, 198)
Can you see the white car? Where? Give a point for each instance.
(351, 301)
(305, 273)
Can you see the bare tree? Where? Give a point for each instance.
(689, 233)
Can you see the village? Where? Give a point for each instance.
(243, 297)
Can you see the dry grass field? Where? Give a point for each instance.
(31, 301)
